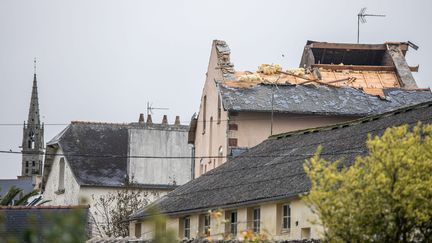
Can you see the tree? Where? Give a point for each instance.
(8, 199)
(385, 196)
(112, 210)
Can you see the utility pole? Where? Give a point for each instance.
(361, 17)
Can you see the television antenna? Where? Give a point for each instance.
(150, 108)
(361, 17)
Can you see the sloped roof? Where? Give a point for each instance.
(274, 169)
(96, 152)
(317, 99)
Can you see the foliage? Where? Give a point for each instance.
(161, 234)
(385, 196)
(8, 199)
(115, 208)
(66, 227)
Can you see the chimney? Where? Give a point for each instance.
(149, 119)
(141, 119)
(165, 120)
(177, 121)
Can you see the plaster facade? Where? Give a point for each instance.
(302, 224)
(170, 142)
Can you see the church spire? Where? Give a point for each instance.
(33, 136)
(33, 115)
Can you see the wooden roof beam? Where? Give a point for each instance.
(346, 46)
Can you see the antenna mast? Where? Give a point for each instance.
(150, 108)
(361, 17)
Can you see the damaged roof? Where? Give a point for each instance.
(273, 170)
(317, 99)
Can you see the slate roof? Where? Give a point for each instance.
(96, 152)
(17, 220)
(320, 99)
(274, 169)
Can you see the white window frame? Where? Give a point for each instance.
(286, 218)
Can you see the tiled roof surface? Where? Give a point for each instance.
(317, 99)
(274, 169)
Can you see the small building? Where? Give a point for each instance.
(44, 223)
(335, 83)
(260, 189)
(88, 160)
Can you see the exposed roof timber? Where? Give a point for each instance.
(346, 46)
(360, 67)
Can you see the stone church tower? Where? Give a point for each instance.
(33, 137)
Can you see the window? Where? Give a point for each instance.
(219, 110)
(233, 223)
(204, 113)
(220, 155)
(286, 217)
(27, 163)
(256, 220)
(26, 171)
(211, 137)
(138, 230)
(61, 175)
(33, 171)
(186, 225)
(33, 163)
(207, 224)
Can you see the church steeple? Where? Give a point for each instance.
(33, 115)
(33, 136)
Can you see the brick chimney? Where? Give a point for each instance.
(141, 119)
(165, 120)
(177, 121)
(149, 119)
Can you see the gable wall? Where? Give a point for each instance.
(218, 131)
(70, 195)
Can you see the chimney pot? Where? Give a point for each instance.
(141, 119)
(149, 119)
(165, 120)
(177, 120)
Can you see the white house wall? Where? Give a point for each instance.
(160, 143)
(70, 195)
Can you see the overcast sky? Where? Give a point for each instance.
(104, 60)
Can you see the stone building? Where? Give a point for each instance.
(335, 83)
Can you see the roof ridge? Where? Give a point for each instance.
(353, 122)
(98, 123)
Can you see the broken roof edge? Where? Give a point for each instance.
(355, 46)
(353, 122)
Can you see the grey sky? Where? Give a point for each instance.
(103, 60)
